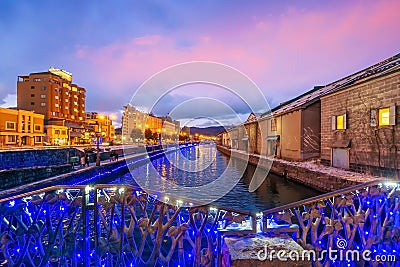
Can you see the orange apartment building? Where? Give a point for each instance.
(20, 128)
(53, 94)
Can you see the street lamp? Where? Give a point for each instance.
(98, 134)
(159, 136)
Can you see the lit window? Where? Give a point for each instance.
(384, 115)
(339, 122)
(36, 79)
(56, 105)
(43, 104)
(43, 96)
(66, 108)
(10, 125)
(66, 100)
(56, 97)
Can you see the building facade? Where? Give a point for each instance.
(56, 135)
(133, 119)
(101, 124)
(52, 94)
(360, 121)
(21, 128)
(268, 144)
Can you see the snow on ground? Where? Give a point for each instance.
(315, 165)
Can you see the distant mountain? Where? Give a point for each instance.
(210, 131)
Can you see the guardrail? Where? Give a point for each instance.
(112, 225)
(359, 218)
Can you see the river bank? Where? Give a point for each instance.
(309, 173)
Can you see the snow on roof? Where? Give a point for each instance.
(389, 65)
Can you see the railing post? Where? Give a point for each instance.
(96, 222)
(219, 252)
(85, 222)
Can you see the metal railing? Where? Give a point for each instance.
(359, 218)
(112, 225)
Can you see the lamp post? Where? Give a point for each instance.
(98, 148)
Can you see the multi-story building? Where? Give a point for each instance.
(177, 126)
(21, 127)
(135, 119)
(100, 124)
(52, 94)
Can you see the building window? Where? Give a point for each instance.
(66, 100)
(57, 132)
(36, 80)
(32, 87)
(64, 132)
(38, 127)
(273, 124)
(38, 139)
(11, 139)
(383, 116)
(10, 125)
(56, 97)
(57, 90)
(66, 93)
(43, 104)
(66, 108)
(43, 88)
(32, 103)
(42, 96)
(32, 95)
(56, 105)
(339, 122)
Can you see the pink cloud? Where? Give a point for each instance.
(285, 54)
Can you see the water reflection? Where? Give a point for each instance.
(274, 191)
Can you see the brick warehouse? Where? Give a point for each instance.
(360, 125)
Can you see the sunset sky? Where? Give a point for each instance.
(111, 47)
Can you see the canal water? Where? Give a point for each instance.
(274, 191)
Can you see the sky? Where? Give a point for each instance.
(113, 47)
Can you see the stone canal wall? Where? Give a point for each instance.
(319, 177)
(26, 158)
(107, 172)
(15, 177)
